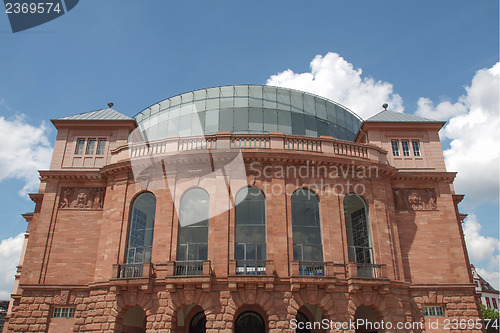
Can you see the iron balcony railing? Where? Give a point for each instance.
(312, 268)
(250, 267)
(189, 267)
(126, 271)
(370, 270)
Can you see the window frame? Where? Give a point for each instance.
(58, 312)
(433, 311)
(395, 148)
(83, 150)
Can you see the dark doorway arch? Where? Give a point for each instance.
(134, 320)
(302, 318)
(368, 315)
(198, 323)
(249, 322)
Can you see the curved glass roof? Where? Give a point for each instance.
(248, 109)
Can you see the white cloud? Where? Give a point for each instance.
(473, 129)
(479, 247)
(25, 149)
(333, 77)
(10, 251)
(492, 277)
(444, 110)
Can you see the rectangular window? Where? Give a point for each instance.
(494, 301)
(64, 312)
(395, 148)
(90, 147)
(433, 311)
(406, 148)
(488, 302)
(100, 146)
(416, 148)
(80, 143)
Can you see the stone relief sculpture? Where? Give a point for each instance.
(415, 199)
(82, 198)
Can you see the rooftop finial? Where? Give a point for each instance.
(385, 106)
(110, 104)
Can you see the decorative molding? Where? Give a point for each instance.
(415, 199)
(82, 197)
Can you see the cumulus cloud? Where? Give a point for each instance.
(331, 76)
(473, 128)
(478, 246)
(482, 250)
(25, 149)
(10, 251)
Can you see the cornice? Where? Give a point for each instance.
(416, 175)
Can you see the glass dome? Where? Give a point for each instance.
(247, 109)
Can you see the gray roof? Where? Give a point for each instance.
(399, 117)
(103, 114)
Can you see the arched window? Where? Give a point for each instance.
(140, 234)
(193, 231)
(249, 322)
(358, 235)
(306, 229)
(250, 231)
(198, 323)
(303, 323)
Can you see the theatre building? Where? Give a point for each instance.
(244, 209)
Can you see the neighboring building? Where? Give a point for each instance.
(247, 209)
(3, 311)
(490, 297)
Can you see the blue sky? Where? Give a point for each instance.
(136, 53)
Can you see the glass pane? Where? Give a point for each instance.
(200, 95)
(310, 124)
(80, 143)
(297, 102)
(284, 122)
(283, 99)
(322, 127)
(306, 228)
(255, 117)
(270, 120)
(197, 123)
(320, 108)
(100, 147)
(175, 101)
(309, 106)
(298, 124)
(255, 96)
(90, 147)
(212, 122)
(226, 120)
(173, 126)
(200, 106)
(269, 97)
(185, 125)
(141, 228)
(187, 97)
(241, 120)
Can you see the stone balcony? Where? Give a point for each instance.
(228, 141)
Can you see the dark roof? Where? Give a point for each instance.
(103, 114)
(399, 117)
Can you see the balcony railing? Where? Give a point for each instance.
(370, 270)
(312, 268)
(189, 267)
(127, 271)
(226, 140)
(251, 267)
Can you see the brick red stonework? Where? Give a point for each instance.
(72, 255)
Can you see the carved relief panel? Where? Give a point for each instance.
(82, 198)
(415, 199)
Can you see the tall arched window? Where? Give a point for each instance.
(306, 228)
(250, 231)
(358, 235)
(193, 232)
(140, 234)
